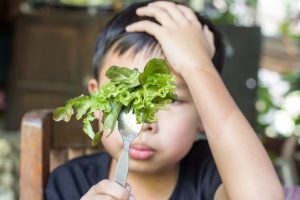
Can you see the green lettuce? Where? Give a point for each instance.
(145, 92)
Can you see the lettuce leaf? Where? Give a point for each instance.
(145, 92)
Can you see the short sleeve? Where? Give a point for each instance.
(73, 179)
(66, 182)
(198, 177)
(209, 179)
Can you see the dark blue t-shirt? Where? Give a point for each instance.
(198, 176)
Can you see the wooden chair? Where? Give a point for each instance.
(45, 144)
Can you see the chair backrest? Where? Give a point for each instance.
(45, 144)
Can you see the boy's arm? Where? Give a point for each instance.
(221, 193)
(243, 164)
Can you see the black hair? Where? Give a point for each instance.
(114, 33)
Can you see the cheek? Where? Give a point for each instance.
(181, 123)
(112, 143)
(181, 132)
(178, 134)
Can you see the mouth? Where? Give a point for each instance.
(141, 152)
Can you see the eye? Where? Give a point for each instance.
(177, 101)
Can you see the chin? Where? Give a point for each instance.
(145, 167)
(141, 167)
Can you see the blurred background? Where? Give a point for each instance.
(46, 48)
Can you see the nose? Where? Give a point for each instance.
(149, 127)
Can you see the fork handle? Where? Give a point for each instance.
(122, 167)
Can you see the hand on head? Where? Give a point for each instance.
(184, 41)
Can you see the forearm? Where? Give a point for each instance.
(243, 163)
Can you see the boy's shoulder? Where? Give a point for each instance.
(100, 159)
(200, 151)
(199, 177)
(77, 176)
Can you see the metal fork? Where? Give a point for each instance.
(129, 130)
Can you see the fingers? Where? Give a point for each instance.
(188, 13)
(168, 13)
(172, 10)
(163, 17)
(110, 188)
(88, 197)
(210, 37)
(97, 197)
(127, 186)
(178, 31)
(149, 27)
(208, 33)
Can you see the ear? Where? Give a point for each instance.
(200, 128)
(92, 87)
(199, 131)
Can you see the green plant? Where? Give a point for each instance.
(145, 92)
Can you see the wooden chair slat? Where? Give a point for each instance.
(46, 144)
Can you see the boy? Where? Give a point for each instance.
(165, 160)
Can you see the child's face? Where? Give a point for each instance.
(162, 144)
